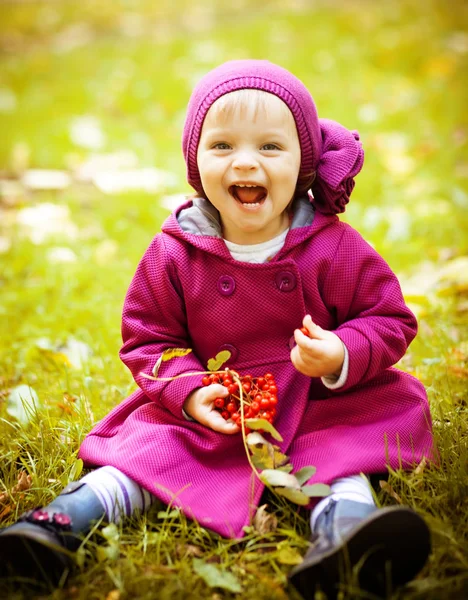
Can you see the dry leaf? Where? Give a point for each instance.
(188, 550)
(5, 512)
(420, 468)
(386, 487)
(67, 406)
(264, 522)
(113, 595)
(24, 483)
(460, 372)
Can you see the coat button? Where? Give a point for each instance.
(285, 281)
(226, 285)
(232, 349)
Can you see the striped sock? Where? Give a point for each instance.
(120, 495)
(354, 487)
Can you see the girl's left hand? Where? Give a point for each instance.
(320, 354)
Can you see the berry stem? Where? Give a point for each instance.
(181, 375)
(236, 378)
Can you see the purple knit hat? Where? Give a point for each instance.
(328, 148)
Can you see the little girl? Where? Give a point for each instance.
(256, 255)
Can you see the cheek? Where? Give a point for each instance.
(209, 169)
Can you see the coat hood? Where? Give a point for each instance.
(197, 222)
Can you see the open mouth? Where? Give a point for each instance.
(248, 195)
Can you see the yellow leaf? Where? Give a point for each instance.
(214, 364)
(173, 352)
(167, 355)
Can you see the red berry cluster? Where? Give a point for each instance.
(259, 395)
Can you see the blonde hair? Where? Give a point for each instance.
(249, 102)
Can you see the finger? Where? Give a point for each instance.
(315, 331)
(215, 390)
(306, 368)
(216, 422)
(297, 359)
(306, 344)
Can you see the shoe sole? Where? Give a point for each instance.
(388, 549)
(32, 554)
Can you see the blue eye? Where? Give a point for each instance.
(221, 146)
(270, 147)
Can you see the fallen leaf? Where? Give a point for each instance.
(22, 403)
(46, 220)
(24, 483)
(149, 180)
(420, 468)
(188, 550)
(46, 179)
(5, 512)
(86, 132)
(288, 555)
(213, 576)
(460, 372)
(61, 254)
(113, 595)
(78, 353)
(100, 163)
(264, 522)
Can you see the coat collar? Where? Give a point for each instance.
(197, 223)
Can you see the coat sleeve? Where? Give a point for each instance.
(372, 318)
(154, 319)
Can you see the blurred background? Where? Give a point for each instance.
(92, 104)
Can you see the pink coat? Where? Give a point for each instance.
(189, 292)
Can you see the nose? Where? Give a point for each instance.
(244, 161)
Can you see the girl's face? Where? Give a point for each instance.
(248, 158)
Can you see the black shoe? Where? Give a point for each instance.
(40, 546)
(386, 547)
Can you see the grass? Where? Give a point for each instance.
(131, 65)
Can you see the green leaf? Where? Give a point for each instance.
(214, 577)
(316, 490)
(295, 496)
(275, 478)
(111, 533)
(164, 514)
(286, 468)
(305, 474)
(76, 469)
(264, 425)
(215, 364)
(110, 552)
(260, 462)
(288, 555)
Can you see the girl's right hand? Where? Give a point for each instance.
(200, 406)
